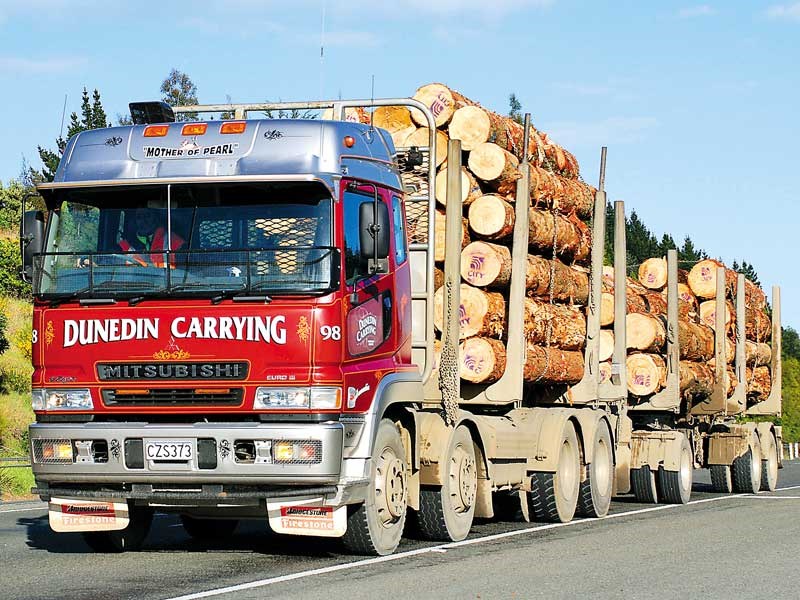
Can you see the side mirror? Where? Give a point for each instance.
(31, 240)
(374, 235)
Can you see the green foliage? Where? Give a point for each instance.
(515, 109)
(688, 254)
(791, 399)
(10, 264)
(747, 270)
(16, 483)
(790, 343)
(3, 337)
(22, 339)
(93, 116)
(179, 90)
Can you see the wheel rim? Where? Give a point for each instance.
(602, 467)
(567, 473)
(390, 487)
(772, 463)
(755, 464)
(463, 479)
(686, 469)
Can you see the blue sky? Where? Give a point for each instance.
(697, 102)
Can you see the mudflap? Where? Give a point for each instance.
(67, 515)
(307, 516)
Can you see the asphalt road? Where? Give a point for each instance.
(738, 546)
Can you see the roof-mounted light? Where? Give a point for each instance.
(233, 127)
(156, 130)
(194, 129)
(143, 113)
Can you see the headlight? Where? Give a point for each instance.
(298, 398)
(50, 399)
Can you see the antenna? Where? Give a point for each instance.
(322, 52)
(63, 113)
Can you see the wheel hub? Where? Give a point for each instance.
(463, 480)
(390, 486)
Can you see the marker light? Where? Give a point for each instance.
(233, 127)
(349, 141)
(156, 130)
(194, 129)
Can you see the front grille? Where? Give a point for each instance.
(174, 397)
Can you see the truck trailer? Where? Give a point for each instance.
(267, 350)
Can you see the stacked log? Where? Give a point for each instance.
(560, 207)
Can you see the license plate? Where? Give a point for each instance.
(169, 451)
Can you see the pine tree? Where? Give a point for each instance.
(747, 270)
(179, 90)
(790, 343)
(689, 254)
(642, 244)
(515, 109)
(93, 116)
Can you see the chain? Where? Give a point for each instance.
(448, 367)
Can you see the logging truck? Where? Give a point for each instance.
(304, 332)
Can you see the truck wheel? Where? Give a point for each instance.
(721, 479)
(747, 469)
(676, 486)
(554, 496)
(208, 529)
(375, 526)
(769, 464)
(595, 493)
(128, 539)
(446, 512)
(643, 485)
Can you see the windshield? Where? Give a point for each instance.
(189, 239)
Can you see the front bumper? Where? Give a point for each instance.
(223, 477)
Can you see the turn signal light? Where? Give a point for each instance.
(349, 141)
(156, 130)
(194, 129)
(233, 127)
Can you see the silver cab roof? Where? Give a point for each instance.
(267, 150)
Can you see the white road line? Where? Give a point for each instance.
(401, 555)
(14, 510)
(754, 497)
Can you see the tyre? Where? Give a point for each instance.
(208, 529)
(594, 498)
(446, 512)
(554, 496)
(676, 486)
(721, 479)
(375, 526)
(769, 463)
(643, 485)
(129, 539)
(746, 469)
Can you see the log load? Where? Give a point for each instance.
(567, 196)
(606, 345)
(474, 125)
(421, 138)
(439, 236)
(653, 273)
(635, 304)
(495, 166)
(687, 302)
(604, 372)
(757, 354)
(486, 265)
(646, 373)
(703, 281)
(696, 380)
(552, 365)
(572, 236)
(646, 333)
(491, 217)
(481, 360)
(696, 341)
(562, 325)
(544, 277)
(759, 383)
(708, 314)
(757, 325)
(396, 120)
(480, 313)
(469, 187)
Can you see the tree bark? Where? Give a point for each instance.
(482, 360)
(759, 383)
(491, 217)
(757, 325)
(696, 341)
(565, 325)
(552, 365)
(645, 333)
(687, 302)
(653, 273)
(757, 354)
(480, 313)
(572, 237)
(696, 380)
(552, 277)
(486, 265)
(470, 190)
(568, 196)
(646, 373)
(497, 167)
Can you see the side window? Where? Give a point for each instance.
(352, 242)
(400, 248)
